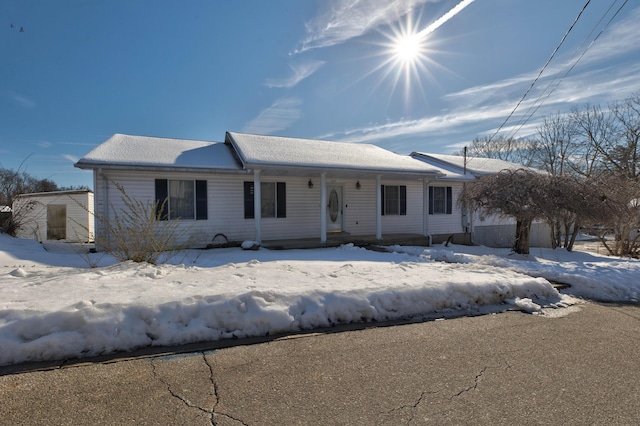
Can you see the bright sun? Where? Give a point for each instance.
(407, 49)
(406, 57)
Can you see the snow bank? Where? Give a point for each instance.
(51, 311)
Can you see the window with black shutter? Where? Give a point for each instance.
(440, 200)
(181, 199)
(394, 200)
(273, 200)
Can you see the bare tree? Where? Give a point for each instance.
(595, 134)
(556, 146)
(13, 183)
(517, 151)
(624, 157)
(510, 193)
(620, 213)
(569, 203)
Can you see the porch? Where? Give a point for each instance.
(335, 239)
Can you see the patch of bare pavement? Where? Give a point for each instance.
(580, 366)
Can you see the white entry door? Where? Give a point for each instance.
(334, 208)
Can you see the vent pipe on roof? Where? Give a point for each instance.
(464, 154)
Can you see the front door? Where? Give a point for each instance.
(334, 208)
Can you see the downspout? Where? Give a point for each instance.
(425, 209)
(105, 206)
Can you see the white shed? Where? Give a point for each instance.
(60, 215)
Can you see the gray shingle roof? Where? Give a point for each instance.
(271, 151)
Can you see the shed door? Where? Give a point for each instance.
(56, 222)
(334, 208)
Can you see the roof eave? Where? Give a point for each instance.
(318, 169)
(84, 165)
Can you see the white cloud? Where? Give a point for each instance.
(347, 19)
(72, 158)
(618, 40)
(300, 72)
(609, 71)
(280, 115)
(44, 144)
(480, 108)
(21, 100)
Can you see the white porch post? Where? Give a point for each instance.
(323, 207)
(425, 206)
(257, 205)
(378, 208)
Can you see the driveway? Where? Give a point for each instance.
(582, 368)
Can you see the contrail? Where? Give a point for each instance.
(444, 18)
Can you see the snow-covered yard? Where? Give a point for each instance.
(54, 306)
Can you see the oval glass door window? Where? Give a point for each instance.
(333, 205)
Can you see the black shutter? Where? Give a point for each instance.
(248, 200)
(281, 199)
(201, 200)
(449, 200)
(431, 200)
(382, 200)
(403, 200)
(162, 203)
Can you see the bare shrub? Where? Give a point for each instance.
(19, 217)
(619, 215)
(138, 231)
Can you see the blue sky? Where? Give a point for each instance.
(82, 70)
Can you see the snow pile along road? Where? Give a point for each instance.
(51, 311)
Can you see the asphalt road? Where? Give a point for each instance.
(508, 368)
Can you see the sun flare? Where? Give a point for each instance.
(406, 58)
(407, 49)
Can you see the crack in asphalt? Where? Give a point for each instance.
(413, 406)
(475, 384)
(476, 380)
(172, 393)
(216, 394)
(210, 412)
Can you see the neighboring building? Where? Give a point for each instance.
(5, 214)
(484, 229)
(59, 215)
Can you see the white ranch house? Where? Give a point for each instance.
(268, 189)
(485, 229)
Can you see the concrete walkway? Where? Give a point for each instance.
(502, 369)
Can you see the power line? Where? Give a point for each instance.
(538, 103)
(541, 71)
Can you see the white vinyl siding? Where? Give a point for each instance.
(225, 205)
(447, 223)
(78, 207)
(412, 222)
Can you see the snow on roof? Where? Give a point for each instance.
(259, 150)
(475, 165)
(449, 172)
(55, 193)
(145, 151)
